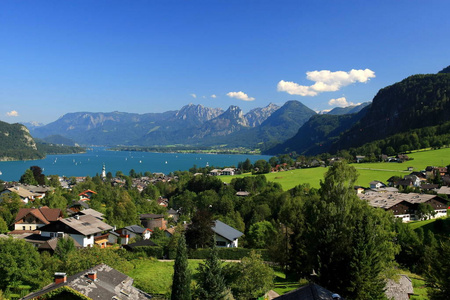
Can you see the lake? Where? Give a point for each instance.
(91, 163)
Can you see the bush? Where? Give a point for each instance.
(228, 253)
(150, 251)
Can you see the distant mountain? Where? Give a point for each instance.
(256, 116)
(317, 135)
(445, 70)
(32, 125)
(353, 109)
(191, 125)
(16, 143)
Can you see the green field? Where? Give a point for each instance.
(155, 277)
(367, 171)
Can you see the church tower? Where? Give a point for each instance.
(103, 172)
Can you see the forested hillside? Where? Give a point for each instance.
(16, 143)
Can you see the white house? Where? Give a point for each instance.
(133, 231)
(86, 230)
(225, 235)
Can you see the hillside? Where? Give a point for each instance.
(16, 143)
(401, 114)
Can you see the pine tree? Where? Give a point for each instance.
(181, 283)
(211, 279)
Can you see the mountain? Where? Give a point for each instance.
(416, 108)
(191, 125)
(418, 101)
(57, 140)
(280, 126)
(353, 109)
(32, 125)
(16, 143)
(318, 134)
(256, 116)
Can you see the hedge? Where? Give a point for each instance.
(228, 253)
(154, 251)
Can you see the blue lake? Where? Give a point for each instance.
(90, 163)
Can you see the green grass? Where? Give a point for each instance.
(155, 277)
(367, 171)
(416, 224)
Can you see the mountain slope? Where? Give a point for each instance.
(16, 143)
(416, 102)
(348, 110)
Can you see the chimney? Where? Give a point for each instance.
(77, 217)
(92, 275)
(60, 278)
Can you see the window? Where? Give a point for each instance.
(23, 227)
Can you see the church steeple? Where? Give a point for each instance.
(103, 172)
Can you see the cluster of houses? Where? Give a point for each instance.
(43, 226)
(406, 205)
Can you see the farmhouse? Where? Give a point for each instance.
(34, 218)
(405, 206)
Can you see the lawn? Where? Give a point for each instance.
(155, 277)
(367, 171)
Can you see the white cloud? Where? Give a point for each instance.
(12, 113)
(341, 102)
(213, 96)
(240, 95)
(193, 95)
(325, 81)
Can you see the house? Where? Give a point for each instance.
(24, 194)
(153, 221)
(99, 282)
(130, 232)
(215, 172)
(405, 206)
(228, 171)
(310, 291)
(173, 214)
(34, 218)
(242, 194)
(86, 230)
(77, 206)
(376, 184)
(415, 180)
(401, 289)
(86, 195)
(360, 158)
(225, 235)
(444, 190)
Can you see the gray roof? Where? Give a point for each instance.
(311, 291)
(226, 231)
(110, 284)
(136, 229)
(92, 212)
(399, 290)
(85, 225)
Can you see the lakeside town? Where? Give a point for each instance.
(156, 213)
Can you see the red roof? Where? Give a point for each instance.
(44, 214)
(86, 192)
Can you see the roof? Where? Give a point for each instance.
(23, 193)
(399, 290)
(136, 229)
(444, 190)
(387, 200)
(53, 242)
(86, 192)
(226, 231)
(44, 214)
(311, 291)
(110, 284)
(85, 225)
(92, 212)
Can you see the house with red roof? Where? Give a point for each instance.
(86, 195)
(29, 219)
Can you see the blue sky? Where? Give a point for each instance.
(152, 56)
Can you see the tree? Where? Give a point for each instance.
(199, 234)
(28, 178)
(3, 226)
(64, 246)
(181, 283)
(251, 277)
(425, 211)
(438, 273)
(38, 176)
(261, 234)
(211, 280)
(20, 263)
(345, 237)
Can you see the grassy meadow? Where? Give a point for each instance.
(367, 171)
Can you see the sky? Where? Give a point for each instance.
(138, 56)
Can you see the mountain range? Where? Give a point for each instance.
(413, 109)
